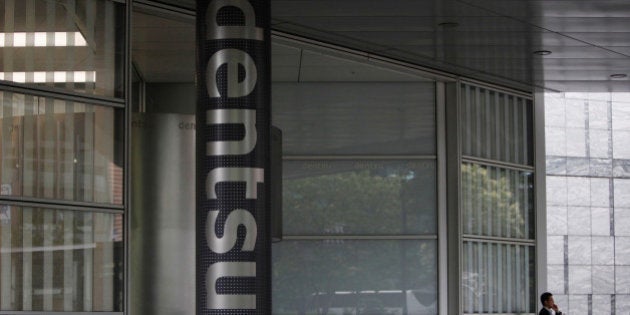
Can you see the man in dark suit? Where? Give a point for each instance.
(549, 306)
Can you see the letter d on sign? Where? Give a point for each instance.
(233, 220)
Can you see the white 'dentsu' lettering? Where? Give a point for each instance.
(233, 301)
(246, 117)
(232, 58)
(247, 31)
(222, 245)
(251, 177)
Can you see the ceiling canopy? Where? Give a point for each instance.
(562, 45)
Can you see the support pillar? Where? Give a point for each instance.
(233, 264)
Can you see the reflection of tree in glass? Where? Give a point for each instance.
(356, 198)
(314, 277)
(384, 199)
(496, 202)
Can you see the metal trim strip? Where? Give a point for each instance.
(59, 94)
(61, 204)
(357, 157)
(357, 237)
(499, 240)
(488, 162)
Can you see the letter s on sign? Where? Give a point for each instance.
(226, 243)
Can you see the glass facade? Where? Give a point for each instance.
(355, 277)
(60, 260)
(497, 196)
(73, 45)
(364, 172)
(359, 187)
(62, 150)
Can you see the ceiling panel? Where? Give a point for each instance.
(489, 39)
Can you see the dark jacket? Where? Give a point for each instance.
(544, 311)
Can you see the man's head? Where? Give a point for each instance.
(547, 299)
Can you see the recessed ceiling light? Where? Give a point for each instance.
(448, 24)
(542, 52)
(618, 76)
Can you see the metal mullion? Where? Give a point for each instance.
(128, 94)
(6, 238)
(525, 205)
(487, 125)
(489, 203)
(477, 207)
(539, 197)
(163, 8)
(526, 138)
(61, 205)
(482, 276)
(455, 267)
(498, 240)
(500, 277)
(500, 164)
(358, 237)
(475, 129)
(515, 134)
(508, 275)
(65, 95)
(491, 279)
(48, 260)
(468, 268)
(497, 88)
(57, 313)
(497, 126)
(355, 54)
(27, 261)
(69, 278)
(518, 262)
(357, 157)
(466, 116)
(527, 283)
(517, 197)
(442, 198)
(507, 127)
(465, 200)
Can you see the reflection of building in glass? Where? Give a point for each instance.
(411, 159)
(588, 242)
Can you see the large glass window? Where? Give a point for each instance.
(58, 149)
(56, 260)
(497, 125)
(498, 278)
(66, 44)
(62, 155)
(497, 202)
(359, 197)
(359, 186)
(380, 118)
(355, 277)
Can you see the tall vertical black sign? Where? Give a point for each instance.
(233, 142)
